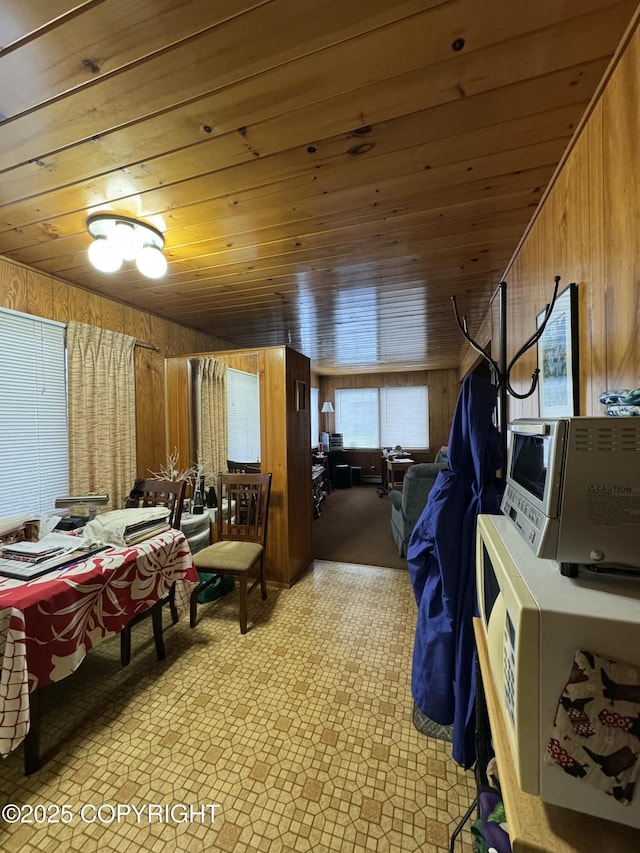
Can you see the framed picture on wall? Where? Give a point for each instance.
(558, 381)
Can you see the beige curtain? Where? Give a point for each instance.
(102, 412)
(212, 424)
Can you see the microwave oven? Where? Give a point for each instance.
(573, 490)
(535, 621)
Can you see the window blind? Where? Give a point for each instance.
(243, 416)
(404, 417)
(315, 423)
(34, 457)
(357, 417)
(383, 417)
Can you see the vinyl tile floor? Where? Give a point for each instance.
(296, 736)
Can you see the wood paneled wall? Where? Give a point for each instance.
(587, 230)
(27, 290)
(443, 385)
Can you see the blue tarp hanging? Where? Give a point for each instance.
(441, 559)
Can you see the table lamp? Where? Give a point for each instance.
(92, 502)
(327, 409)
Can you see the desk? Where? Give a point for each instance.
(48, 624)
(397, 466)
(534, 826)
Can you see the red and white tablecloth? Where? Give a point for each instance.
(48, 624)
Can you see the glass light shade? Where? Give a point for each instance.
(119, 237)
(126, 239)
(327, 406)
(151, 262)
(103, 256)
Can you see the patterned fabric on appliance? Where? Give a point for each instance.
(596, 733)
(622, 403)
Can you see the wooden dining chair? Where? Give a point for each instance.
(169, 493)
(243, 511)
(234, 467)
(155, 492)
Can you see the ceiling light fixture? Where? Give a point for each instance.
(121, 238)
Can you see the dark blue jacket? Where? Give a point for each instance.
(441, 559)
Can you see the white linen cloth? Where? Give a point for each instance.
(123, 526)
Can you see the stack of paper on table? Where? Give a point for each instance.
(26, 560)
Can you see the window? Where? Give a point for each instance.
(357, 417)
(34, 455)
(383, 417)
(404, 417)
(315, 405)
(243, 416)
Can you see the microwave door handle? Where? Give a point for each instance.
(530, 429)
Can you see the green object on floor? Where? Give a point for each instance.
(479, 842)
(220, 585)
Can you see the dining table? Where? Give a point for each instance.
(49, 624)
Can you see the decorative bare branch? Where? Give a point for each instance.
(170, 470)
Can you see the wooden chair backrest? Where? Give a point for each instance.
(243, 467)
(169, 493)
(247, 496)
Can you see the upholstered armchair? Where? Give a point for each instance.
(407, 503)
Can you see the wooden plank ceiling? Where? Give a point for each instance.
(326, 173)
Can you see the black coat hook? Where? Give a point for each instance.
(500, 370)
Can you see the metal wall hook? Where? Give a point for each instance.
(463, 326)
(500, 370)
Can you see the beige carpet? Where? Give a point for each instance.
(355, 527)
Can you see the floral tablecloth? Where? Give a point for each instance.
(48, 624)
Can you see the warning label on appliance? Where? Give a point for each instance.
(613, 505)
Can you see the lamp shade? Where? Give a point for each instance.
(103, 257)
(327, 406)
(151, 262)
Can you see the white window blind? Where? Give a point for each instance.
(243, 416)
(315, 405)
(404, 417)
(34, 455)
(383, 417)
(357, 417)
